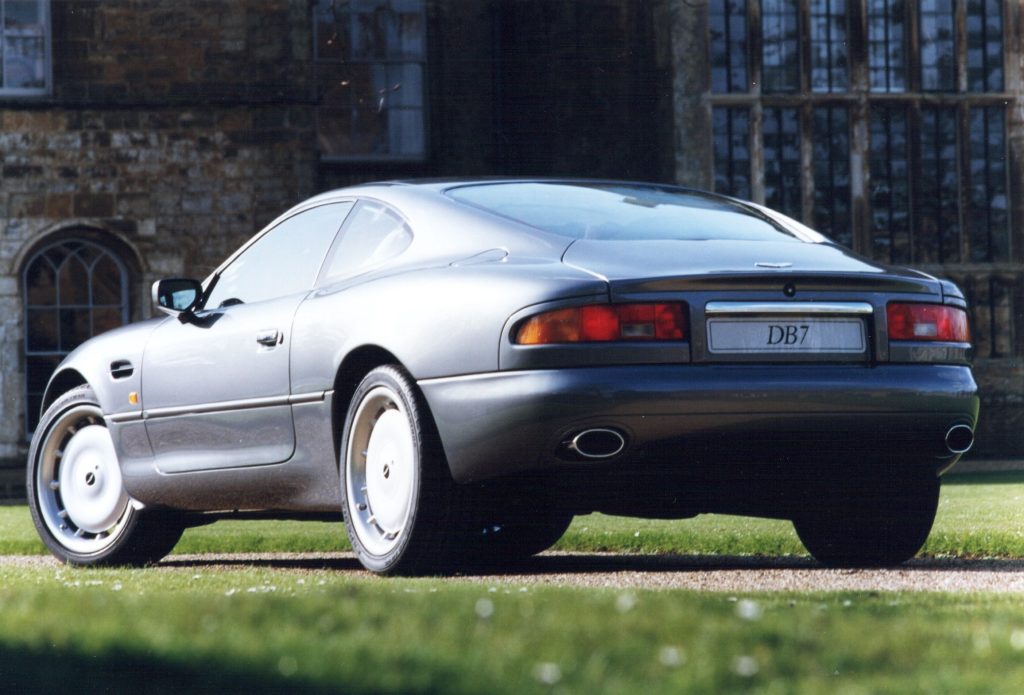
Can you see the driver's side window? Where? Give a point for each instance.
(284, 261)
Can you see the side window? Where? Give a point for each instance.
(284, 261)
(373, 234)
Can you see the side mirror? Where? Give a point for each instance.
(176, 296)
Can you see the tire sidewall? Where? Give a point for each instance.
(400, 385)
(75, 398)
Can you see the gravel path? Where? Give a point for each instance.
(703, 573)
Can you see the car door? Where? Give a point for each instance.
(216, 388)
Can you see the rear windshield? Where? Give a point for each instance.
(626, 212)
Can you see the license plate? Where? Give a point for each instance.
(786, 335)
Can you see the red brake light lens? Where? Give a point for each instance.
(598, 323)
(928, 322)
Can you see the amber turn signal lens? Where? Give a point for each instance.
(928, 322)
(599, 323)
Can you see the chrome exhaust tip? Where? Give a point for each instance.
(959, 439)
(597, 443)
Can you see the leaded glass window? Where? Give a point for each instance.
(371, 60)
(890, 184)
(73, 290)
(887, 50)
(780, 36)
(728, 26)
(938, 46)
(938, 223)
(832, 173)
(988, 220)
(829, 46)
(782, 186)
(984, 45)
(24, 47)
(732, 151)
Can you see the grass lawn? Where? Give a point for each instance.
(196, 628)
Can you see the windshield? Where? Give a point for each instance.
(625, 212)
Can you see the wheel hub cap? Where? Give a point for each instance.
(90, 480)
(389, 456)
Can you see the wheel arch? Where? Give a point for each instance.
(60, 383)
(356, 365)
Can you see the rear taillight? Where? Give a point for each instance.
(605, 323)
(930, 322)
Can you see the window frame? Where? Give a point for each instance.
(27, 93)
(980, 250)
(58, 352)
(423, 62)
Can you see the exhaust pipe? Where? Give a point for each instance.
(959, 439)
(597, 443)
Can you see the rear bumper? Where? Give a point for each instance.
(699, 418)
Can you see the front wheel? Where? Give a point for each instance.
(872, 522)
(398, 498)
(78, 502)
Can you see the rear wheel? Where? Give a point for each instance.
(874, 522)
(76, 496)
(399, 501)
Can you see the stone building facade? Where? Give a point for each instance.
(146, 139)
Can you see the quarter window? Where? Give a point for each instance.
(73, 290)
(24, 47)
(283, 261)
(371, 60)
(372, 235)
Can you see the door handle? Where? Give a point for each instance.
(270, 337)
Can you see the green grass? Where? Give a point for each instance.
(305, 627)
(979, 516)
(201, 629)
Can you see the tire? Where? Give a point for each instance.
(76, 496)
(399, 501)
(517, 518)
(876, 523)
(522, 537)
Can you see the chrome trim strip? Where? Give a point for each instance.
(789, 308)
(223, 406)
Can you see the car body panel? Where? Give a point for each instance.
(227, 423)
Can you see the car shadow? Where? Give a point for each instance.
(557, 563)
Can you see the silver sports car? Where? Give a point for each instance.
(460, 367)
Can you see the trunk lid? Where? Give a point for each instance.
(639, 266)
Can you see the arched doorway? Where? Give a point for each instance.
(72, 289)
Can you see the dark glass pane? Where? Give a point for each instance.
(832, 173)
(38, 369)
(75, 328)
(732, 151)
(43, 331)
(829, 46)
(937, 229)
(728, 33)
(104, 320)
(938, 46)
(782, 183)
(106, 282)
(887, 54)
(890, 185)
(988, 221)
(333, 31)
(984, 46)
(40, 283)
(780, 34)
(73, 282)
